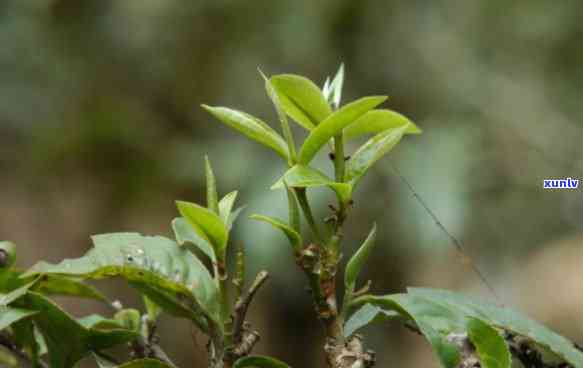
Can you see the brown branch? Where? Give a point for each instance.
(148, 347)
(242, 306)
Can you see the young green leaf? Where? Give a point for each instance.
(209, 222)
(234, 215)
(158, 267)
(226, 206)
(212, 197)
(252, 127)
(301, 99)
(187, 235)
(294, 238)
(326, 89)
(257, 361)
(377, 121)
(301, 176)
(337, 85)
(492, 349)
(287, 133)
(334, 124)
(358, 260)
(372, 151)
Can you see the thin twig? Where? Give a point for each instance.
(242, 306)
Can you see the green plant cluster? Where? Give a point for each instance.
(189, 277)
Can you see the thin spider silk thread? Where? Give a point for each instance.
(455, 242)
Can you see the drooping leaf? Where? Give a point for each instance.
(168, 274)
(258, 361)
(504, 318)
(366, 315)
(358, 260)
(209, 222)
(301, 99)
(187, 235)
(252, 127)
(371, 152)
(67, 340)
(226, 206)
(9, 315)
(26, 335)
(8, 298)
(490, 345)
(287, 133)
(337, 85)
(294, 238)
(377, 121)
(334, 124)
(301, 176)
(212, 197)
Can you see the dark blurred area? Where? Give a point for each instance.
(101, 130)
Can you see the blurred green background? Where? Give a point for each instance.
(101, 130)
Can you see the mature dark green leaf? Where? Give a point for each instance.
(492, 349)
(358, 260)
(252, 127)
(226, 207)
(377, 121)
(212, 197)
(366, 315)
(209, 222)
(259, 361)
(29, 338)
(167, 273)
(334, 124)
(301, 99)
(432, 319)
(9, 315)
(188, 235)
(371, 152)
(294, 238)
(301, 176)
(506, 319)
(69, 341)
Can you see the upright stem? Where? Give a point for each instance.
(339, 163)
